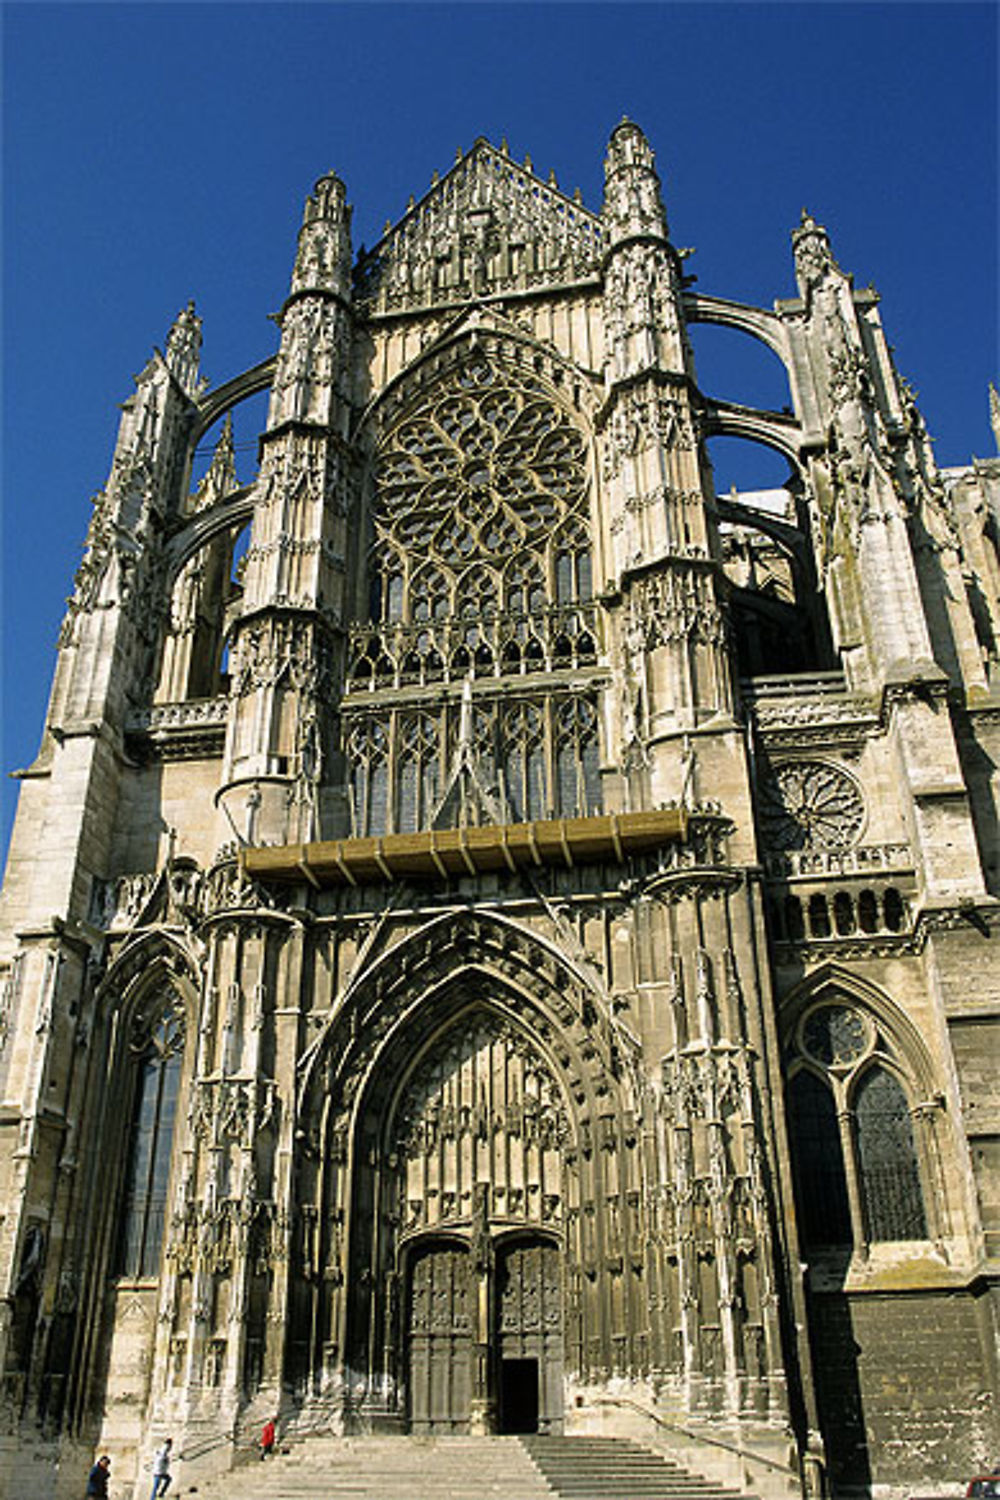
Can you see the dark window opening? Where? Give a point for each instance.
(821, 1179)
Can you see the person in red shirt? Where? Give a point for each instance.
(267, 1439)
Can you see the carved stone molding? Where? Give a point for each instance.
(233, 1109)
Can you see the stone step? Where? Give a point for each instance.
(461, 1468)
(596, 1468)
(394, 1468)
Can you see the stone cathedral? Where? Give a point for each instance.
(499, 937)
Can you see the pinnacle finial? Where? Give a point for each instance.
(811, 248)
(324, 250)
(632, 200)
(220, 477)
(184, 346)
(995, 414)
(628, 147)
(328, 200)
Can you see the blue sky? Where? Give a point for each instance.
(157, 152)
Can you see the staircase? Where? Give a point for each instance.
(384, 1468)
(459, 1468)
(592, 1468)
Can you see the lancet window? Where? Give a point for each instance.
(158, 1050)
(577, 759)
(857, 1168)
(419, 769)
(368, 748)
(524, 737)
(536, 757)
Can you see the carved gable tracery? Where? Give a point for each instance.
(489, 225)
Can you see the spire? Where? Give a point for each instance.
(995, 414)
(632, 202)
(467, 800)
(220, 478)
(184, 348)
(813, 256)
(324, 255)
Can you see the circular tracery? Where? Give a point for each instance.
(810, 804)
(485, 466)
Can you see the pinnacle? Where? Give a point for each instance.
(627, 126)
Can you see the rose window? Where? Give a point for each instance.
(480, 573)
(835, 1035)
(810, 805)
(487, 466)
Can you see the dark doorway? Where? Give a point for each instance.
(519, 1395)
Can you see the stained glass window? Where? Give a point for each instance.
(418, 776)
(887, 1160)
(845, 1082)
(525, 762)
(369, 752)
(147, 1173)
(577, 762)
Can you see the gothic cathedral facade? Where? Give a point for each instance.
(497, 935)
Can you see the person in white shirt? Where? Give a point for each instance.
(161, 1468)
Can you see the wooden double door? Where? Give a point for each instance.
(485, 1342)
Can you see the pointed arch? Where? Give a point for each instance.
(148, 1023)
(857, 1073)
(472, 330)
(151, 958)
(148, 999)
(833, 981)
(565, 995)
(471, 1081)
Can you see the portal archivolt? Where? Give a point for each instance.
(465, 1202)
(460, 1203)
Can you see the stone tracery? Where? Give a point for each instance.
(480, 568)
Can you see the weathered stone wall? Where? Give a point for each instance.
(901, 1380)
